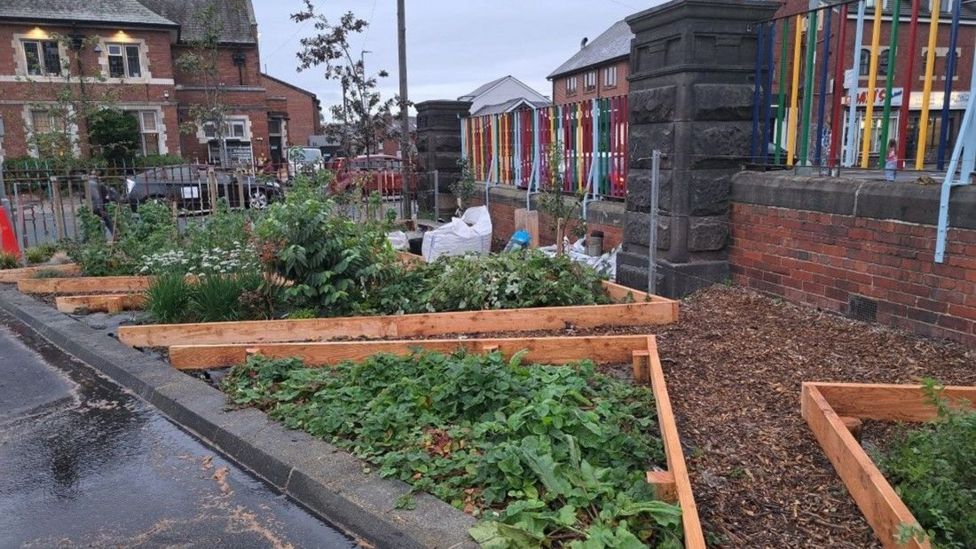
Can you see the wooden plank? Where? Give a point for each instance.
(690, 522)
(421, 325)
(622, 294)
(11, 276)
(84, 285)
(100, 303)
(879, 503)
(886, 401)
(550, 350)
(641, 367)
(528, 220)
(664, 486)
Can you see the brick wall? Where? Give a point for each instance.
(827, 243)
(302, 107)
(560, 97)
(503, 201)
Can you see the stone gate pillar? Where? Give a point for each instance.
(439, 142)
(692, 66)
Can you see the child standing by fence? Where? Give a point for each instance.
(891, 160)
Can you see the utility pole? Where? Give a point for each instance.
(404, 110)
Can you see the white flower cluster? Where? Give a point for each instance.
(234, 259)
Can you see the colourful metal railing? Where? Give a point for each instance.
(790, 127)
(513, 148)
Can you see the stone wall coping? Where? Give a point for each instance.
(898, 201)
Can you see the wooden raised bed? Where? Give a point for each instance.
(641, 311)
(11, 276)
(551, 350)
(84, 285)
(672, 485)
(833, 410)
(100, 303)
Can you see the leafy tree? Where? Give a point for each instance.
(114, 135)
(363, 118)
(562, 207)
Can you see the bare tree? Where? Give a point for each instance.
(203, 61)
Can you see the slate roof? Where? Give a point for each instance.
(485, 88)
(235, 17)
(126, 12)
(508, 106)
(482, 89)
(613, 43)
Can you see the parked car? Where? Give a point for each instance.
(305, 160)
(377, 172)
(187, 186)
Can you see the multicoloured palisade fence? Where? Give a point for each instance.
(836, 84)
(513, 148)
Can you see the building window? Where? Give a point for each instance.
(234, 128)
(149, 128)
(571, 84)
(945, 6)
(871, 3)
(43, 57)
(123, 61)
(42, 122)
(865, 66)
(610, 77)
(589, 81)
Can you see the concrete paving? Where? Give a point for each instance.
(85, 463)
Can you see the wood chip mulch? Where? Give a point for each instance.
(734, 364)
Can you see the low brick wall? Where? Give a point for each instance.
(603, 216)
(863, 249)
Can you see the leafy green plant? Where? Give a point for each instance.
(333, 262)
(566, 210)
(217, 298)
(168, 298)
(40, 253)
(49, 273)
(8, 261)
(527, 278)
(543, 455)
(465, 188)
(933, 469)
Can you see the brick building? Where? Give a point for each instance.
(960, 87)
(599, 69)
(127, 52)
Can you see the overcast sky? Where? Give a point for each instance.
(453, 46)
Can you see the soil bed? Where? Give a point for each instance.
(734, 365)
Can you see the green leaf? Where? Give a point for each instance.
(496, 535)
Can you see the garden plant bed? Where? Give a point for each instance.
(12, 276)
(835, 410)
(638, 309)
(671, 485)
(735, 363)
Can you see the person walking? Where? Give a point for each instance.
(891, 160)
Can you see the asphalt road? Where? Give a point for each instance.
(83, 463)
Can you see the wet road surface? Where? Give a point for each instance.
(84, 463)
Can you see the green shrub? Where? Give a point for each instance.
(333, 261)
(8, 261)
(538, 453)
(49, 273)
(40, 253)
(302, 314)
(168, 298)
(933, 469)
(217, 298)
(527, 278)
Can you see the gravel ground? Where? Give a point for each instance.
(734, 364)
